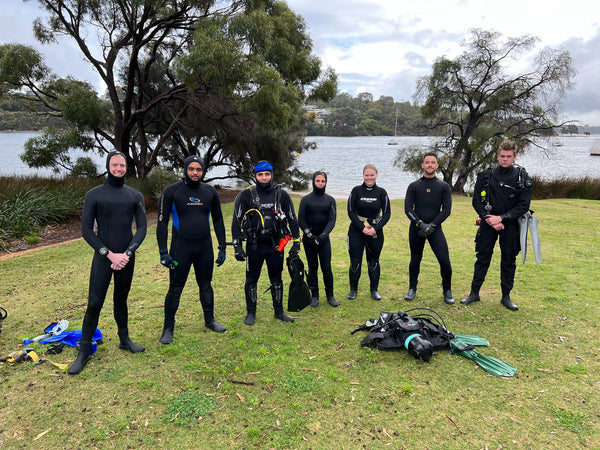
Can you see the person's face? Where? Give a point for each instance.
(370, 175)
(320, 181)
(264, 176)
(429, 166)
(506, 158)
(117, 166)
(194, 171)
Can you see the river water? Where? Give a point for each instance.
(343, 159)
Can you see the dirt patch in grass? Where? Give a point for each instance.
(59, 233)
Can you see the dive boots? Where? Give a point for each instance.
(506, 301)
(471, 298)
(411, 294)
(82, 358)
(277, 295)
(127, 344)
(448, 298)
(167, 336)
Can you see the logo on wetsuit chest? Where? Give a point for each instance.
(368, 199)
(194, 201)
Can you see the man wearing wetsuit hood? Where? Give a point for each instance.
(316, 217)
(191, 205)
(262, 213)
(112, 206)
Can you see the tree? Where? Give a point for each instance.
(475, 102)
(570, 129)
(251, 61)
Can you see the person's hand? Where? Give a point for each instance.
(493, 220)
(221, 256)
(308, 234)
(369, 231)
(118, 260)
(295, 248)
(426, 229)
(167, 260)
(239, 252)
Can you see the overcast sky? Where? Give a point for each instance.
(383, 46)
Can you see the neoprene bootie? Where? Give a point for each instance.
(82, 358)
(128, 344)
(277, 295)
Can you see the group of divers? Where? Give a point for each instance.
(264, 218)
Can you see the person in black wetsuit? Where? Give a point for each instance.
(262, 215)
(316, 217)
(112, 207)
(369, 211)
(428, 203)
(191, 204)
(502, 195)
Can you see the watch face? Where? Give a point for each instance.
(103, 251)
(129, 253)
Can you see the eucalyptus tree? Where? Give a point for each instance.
(164, 61)
(478, 99)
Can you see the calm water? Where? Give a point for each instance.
(344, 158)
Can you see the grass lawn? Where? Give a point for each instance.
(309, 384)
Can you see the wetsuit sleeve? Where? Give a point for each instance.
(332, 218)
(386, 212)
(478, 205)
(352, 214)
(141, 224)
(88, 217)
(302, 214)
(288, 207)
(446, 207)
(409, 204)
(217, 218)
(238, 213)
(164, 212)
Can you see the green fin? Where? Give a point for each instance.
(488, 363)
(472, 339)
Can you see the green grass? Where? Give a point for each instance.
(309, 384)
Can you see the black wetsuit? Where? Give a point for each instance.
(191, 207)
(262, 240)
(112, 206)
(428, 200)
(317, 214)
(371, 204)
(509, 199)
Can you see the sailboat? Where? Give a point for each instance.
(394, 141)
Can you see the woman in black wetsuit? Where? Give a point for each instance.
(316, 217)
(112, 206)
(369, 211)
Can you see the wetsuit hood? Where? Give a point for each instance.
(316, 190)
(263, 166)
(112, 180)
(186, 179)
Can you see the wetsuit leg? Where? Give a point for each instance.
(439, 246)
(122, 285)
(100, 276)
(509, 248)
(311, 250)
(356, 246)
(325, 258)
(254, 263)
(484, 248)
(373, 250)
(417, 244)
(177, 279)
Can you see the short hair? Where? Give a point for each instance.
(434, 154)
(508, 145)
(370, 166)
